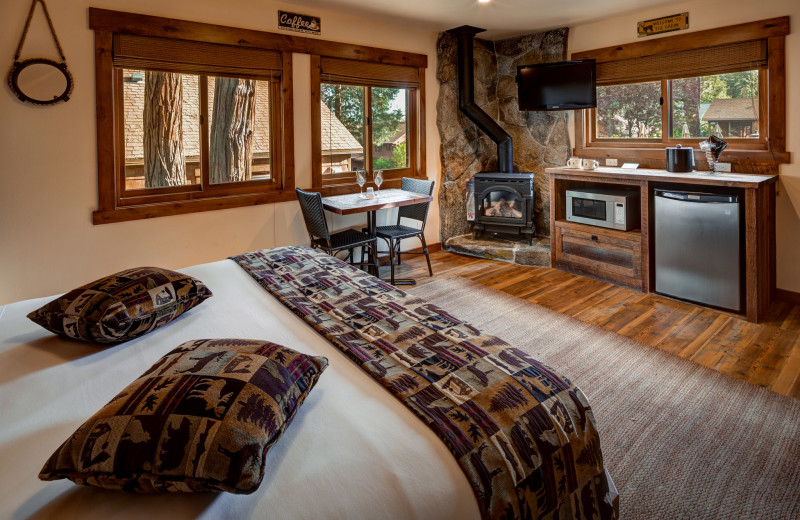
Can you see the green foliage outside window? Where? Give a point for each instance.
(347, 104)
(633, 111)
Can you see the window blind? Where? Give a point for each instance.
(144, 52)
(355, 72)
(732, 57)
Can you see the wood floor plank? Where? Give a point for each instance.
(790, 372)
(767, 367)
(766, 354)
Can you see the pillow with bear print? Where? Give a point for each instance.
(201, 419)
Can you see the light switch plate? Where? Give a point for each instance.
(611, 162)
(723, 167)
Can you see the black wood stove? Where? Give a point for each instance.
(503, 199)
(504, 204)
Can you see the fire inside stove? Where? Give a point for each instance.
(500, 207)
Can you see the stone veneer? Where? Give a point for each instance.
(541, 139)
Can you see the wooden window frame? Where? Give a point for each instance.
(116, 203)
(342, 183)
(191, 192)
(106, 23)
(760, 155)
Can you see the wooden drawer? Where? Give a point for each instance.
(609, 255)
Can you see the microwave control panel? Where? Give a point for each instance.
(619, 213)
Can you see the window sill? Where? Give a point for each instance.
(165, 209)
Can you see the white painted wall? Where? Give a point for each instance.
(48, 185)
(703, 15)
(48, 173)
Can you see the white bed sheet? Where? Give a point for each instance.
(352, 451)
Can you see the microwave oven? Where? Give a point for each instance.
(604, 207)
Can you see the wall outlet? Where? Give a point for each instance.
(611, 162)
(723, 167)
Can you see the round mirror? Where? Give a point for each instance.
(40, 81)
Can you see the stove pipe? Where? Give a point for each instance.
(466, 98)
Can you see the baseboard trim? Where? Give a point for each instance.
(787, 296)
(432, 248)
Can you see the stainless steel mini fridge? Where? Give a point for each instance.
(697, 247)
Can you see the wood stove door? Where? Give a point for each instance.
(501, 205)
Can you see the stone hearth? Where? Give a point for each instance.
(494, 248)
(540, 139)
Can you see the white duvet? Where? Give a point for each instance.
(352, 451)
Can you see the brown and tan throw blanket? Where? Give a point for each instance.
(524, 435)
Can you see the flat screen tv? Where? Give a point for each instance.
(566, 85)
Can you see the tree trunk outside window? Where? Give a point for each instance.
(232, 125)
(164, 163)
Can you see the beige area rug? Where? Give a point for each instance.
(679, 440)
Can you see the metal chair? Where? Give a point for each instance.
(394, 234)
(321, 238)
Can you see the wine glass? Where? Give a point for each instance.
(361, 180)
(378, 178)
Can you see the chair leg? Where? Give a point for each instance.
(373, 254)
(392, 255)
(425, 250)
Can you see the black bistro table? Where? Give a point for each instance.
(384, 199)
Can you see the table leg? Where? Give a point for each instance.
(373, 268)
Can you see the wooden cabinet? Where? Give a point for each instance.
(625, 257)
(607, 254)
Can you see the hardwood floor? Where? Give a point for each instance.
(766, 354)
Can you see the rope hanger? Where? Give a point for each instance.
(28, 25)
(22, 89)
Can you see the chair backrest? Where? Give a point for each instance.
(416, 211)
(313, 214)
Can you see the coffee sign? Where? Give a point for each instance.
(298, 22)
(674, 22)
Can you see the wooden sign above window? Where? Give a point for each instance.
(675, 22)
(299, 22)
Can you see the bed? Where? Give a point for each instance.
(353, 450)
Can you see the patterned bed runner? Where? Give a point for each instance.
(524, 435)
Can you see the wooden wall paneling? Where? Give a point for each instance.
(772, 257)
(777, 97)
(104, 88)
(316, 123)
(763, 266)
(145, 25)
(648, 274)
(287, 125)
(421, 169)
(751, 254)
(554, 204)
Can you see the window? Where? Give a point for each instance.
(668, 91)
(230, 115)
(724, 105)
(366, 116)
(188, 126)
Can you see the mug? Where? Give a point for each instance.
(574, 162)
(589, 164)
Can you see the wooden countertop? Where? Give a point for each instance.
(739, 180)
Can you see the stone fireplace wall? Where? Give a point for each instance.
(541, 139)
